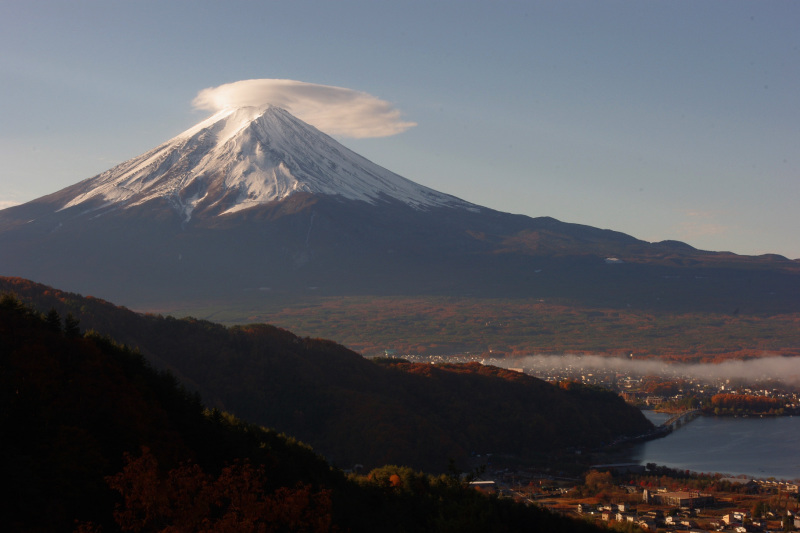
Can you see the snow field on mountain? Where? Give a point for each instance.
(240, 158)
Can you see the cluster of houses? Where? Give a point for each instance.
(647, 520)
(779, 486)
(741, 522)
(654, 510)
(684, 515)
(688, 500)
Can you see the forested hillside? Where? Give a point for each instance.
(96, 440)
(352, 410)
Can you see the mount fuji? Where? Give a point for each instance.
(246, 157)
(253, 200)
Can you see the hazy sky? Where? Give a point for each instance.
(664, 120)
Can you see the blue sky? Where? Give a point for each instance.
(664, 120)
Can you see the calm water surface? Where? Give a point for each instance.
(756, 447)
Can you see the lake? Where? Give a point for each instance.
(756, 447)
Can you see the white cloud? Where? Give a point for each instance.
(7, 203)
(334, 110)
(785, 369)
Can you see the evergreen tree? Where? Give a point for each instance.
(71, 326)
(53, 320)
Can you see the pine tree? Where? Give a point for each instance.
(53, 320)
(71, 328)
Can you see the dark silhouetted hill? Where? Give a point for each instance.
(94, 440)
(350, 409)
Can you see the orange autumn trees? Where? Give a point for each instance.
(188, 499)
(745, 404)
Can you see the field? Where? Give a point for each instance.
(448, 325)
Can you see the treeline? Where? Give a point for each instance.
(663, 387)
(606, 485)
(97, 440)
(730, 404)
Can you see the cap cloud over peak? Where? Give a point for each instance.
(334, 110)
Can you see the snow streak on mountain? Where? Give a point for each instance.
(243, 157)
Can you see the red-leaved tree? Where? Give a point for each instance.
(186, 499)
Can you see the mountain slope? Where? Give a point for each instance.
(351, 409)
(242, 158)
(95, 440)
(74, 405)
(255, 200)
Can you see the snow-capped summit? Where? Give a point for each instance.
(244, 157)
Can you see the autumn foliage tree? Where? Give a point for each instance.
(187, 499)
(744, 403)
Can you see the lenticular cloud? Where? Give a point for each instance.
(334, 110)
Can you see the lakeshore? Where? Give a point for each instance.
(752, 447)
